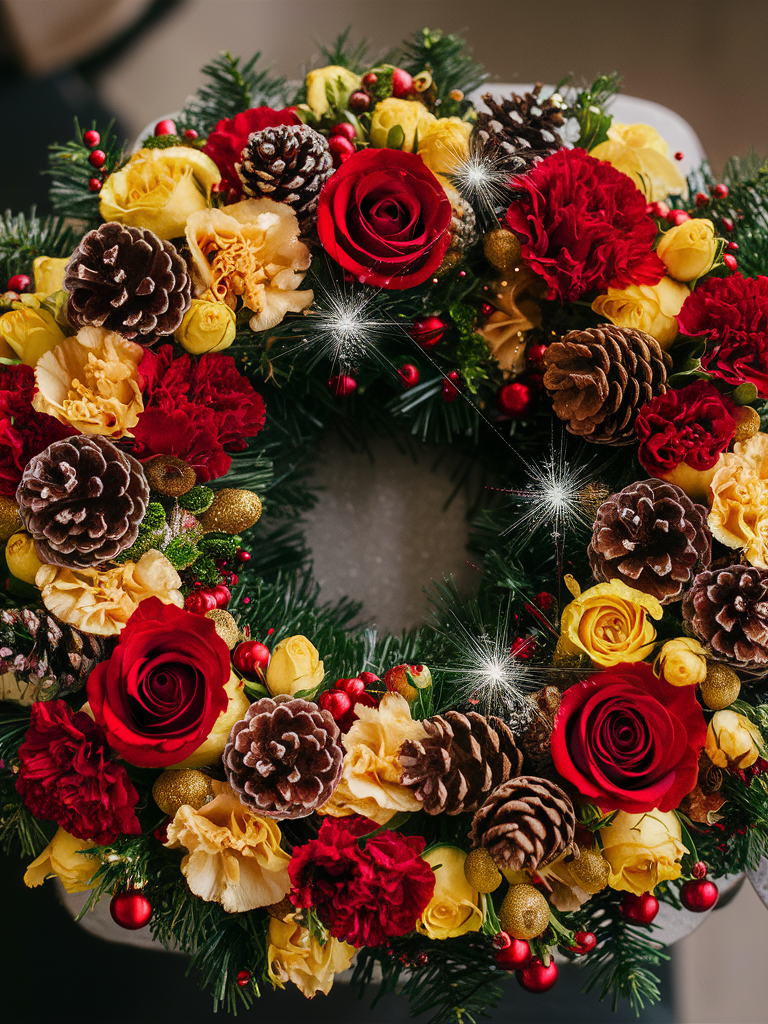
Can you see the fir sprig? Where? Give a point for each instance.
(233, 85)
(449, 60)
(71, 172)
(23, 239)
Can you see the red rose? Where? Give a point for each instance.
(693, 425)
(628, 740)
(384, 217)
(66, 776)
(732, 314)
(366, 896)
(158, 696)
(583, 226)
(227, 141)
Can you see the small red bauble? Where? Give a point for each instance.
(701, 199)
(250, 659)
(537, 978)
(341, 149)
(243, 977)
(91, 138)
(514, 400)
(130, 909)
(409, 375)
(402, 83)
(359, 101)
(719, 191)
(243, 555)
(345, 129)
(679, 155)
(166, 127)
(97, 158)
(639, 909)
(343, 385)
(190, 134)
(451, 386)
(94, 185)
(730, 261)
(200, 601)
(427, 332)
(19, 283)
(727, 224)
(514, 957)
(337, 702)
(585, 942)
(535, 355)
(699, 895)
(223, 595)
(678, 217)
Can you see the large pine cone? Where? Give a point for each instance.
(288, 164)
(284, 759)
(727, 609)
(518, 131)
(525, 823)
(599, 378)
(82, 499)
(460, 761)
(652, 537)
(129, 281)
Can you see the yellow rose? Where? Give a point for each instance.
(49, 274)
(455, 906)
(295, 955)
(645, 307)
(733, 742)
(738, 514)
(21, 556)
(445, 144)
(340, 82)
(91, 381)
(682, 662)
(642, 850)
(638, 151)
(411, 116)
(29, 333)
(610, 622)
(695, 482)
(207, 327)
(159, 188)
(210, 751)
(689, 249)
(295, 665)
(62, 857)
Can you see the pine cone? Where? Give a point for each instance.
(460, 761)
(534, 740)
(284, 759)
(289, 164)
(518, 131)
(652, 537)
(82, 499)
(599, 378)
(727, 609)
(525, 823)
(129, 281)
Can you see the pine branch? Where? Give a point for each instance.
(70, 172)
(23, 239)
(232, 87)
(342, 53)
(449, 61)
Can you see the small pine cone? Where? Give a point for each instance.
(727, 609)
(652, 537)
(82, 499)
(284, 759)
(460, 761)
(519, 131)
(534, 740)
(525, 823)
(129, 281)
(463, 226)
(288, 164)
(599, 378)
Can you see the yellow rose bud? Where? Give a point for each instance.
(642, 850)
(411, 116)
(610, 623)
(159, 188)
(682, 662)
(49, 274)
(645, 307)
(211, 749)
(455, 905)
(733, 742)
(638, 151)
(445, 144)
(62, 857)
(29, 332)
(21, 556)
(689, 249)
(339, 82)
(206, 327)
(295, 955)
(295, 665)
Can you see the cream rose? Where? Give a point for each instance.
(733, 742)
(207, 327)
(49, 274)
(294, 666)
(455, 905)
(638, 151)
(338, 81)
(689, 249)
(645, 307)
(21, 557)
(642, 850)
(445, 144)
(295, 955)
(682, 662)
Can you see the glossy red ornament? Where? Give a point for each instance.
(243, 977)
(130, 909)
(190, 135)
(402, 83)
(719, 191)
(537, 978)
(345, 129)
(222, 594)
(534, 355)
(91, 138)
(514, 957)
(639, 909)
(514, 400)
(243, 555)
(585, 942)
(678, 217)
(341, 149)
(679, 155)
(19, 283)
(250, 659)
(730, 261)
(451, 386)
(359, 101)
(410, 375)
(200, 601)
(337, 702)
(343, 385)
(166, 127)
(427, 332)
(94, 185)
(97, 159)
(699, 895)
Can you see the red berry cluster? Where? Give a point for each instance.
(515, 955)
(345, 695)
(250, 659)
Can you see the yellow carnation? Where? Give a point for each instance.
(64, 858)
(609, 622)
(445, 144)
(410, 116)
(642, 850)
(455, 905)
(29, 332)
(638, 151)
(738, 514)
(688, 250)
(651, 308)
(295, 665)
(295, 955)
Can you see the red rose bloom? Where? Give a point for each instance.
(628, 740)
(227, 141)
(197, 410)
(732, 314)
(24, 433)
(66, 776)
(693, 425)
(384, 217)
(159, 695)
(583, 226)
(366, 896)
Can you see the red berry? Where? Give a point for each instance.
(486, 309)
(514, 957)
(342, 386)
(538, 978)
(359, 101)
(97, 158)
(514, 400)
(678, 217)
(335, 701)
(699, 869)
(585, 942)
(243, 555)
(535, 355)
(727, 224)
(639, 909)
(702, 199)
(352, 687)
(679, 155)
(250, 659)
(91, 138)
(341, 149)
(657, 209)
(719, 191)
(545, 601)
(19, 283)
(370, 79)
(402, 83)
(161, 832)
(190, 134)
(94, 185)
(427, 332)
(223, 595)
(345, 129)
(730, 261)
(243, 977)
(699, 895)
(200, 601)
(732, 246)
(166, 127)
(409, 375)
(501, 940)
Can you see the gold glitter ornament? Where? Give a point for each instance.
(170, 476)
(524, 914)
(179, 786)
(226, 626)
(231, 511)
(590, 872)
(502, 249)
(481, 872)
(721, 687)
(747, 423)
(10, 520)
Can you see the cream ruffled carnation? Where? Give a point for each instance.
(295, 955)
(738, 515)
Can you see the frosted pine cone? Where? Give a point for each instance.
(727, 609)
(288, 164)
(518, 131)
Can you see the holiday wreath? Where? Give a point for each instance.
(186, 727)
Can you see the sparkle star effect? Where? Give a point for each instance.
(481, 179)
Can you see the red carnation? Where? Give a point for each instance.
(227, 141)
(197, 410)
(732, 314)
(24, 433)
(628, 740)
(693, 425)
(366, 896)
(583, 226)
(66, 776)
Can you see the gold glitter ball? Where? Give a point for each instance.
(170, 476)
(524, 914)
(179, 786)
(502, 249)
(232, 511)
(747, 423)
(226, 626)
(590, 872)
(721, 687)
(10, 520)
(481, 872)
